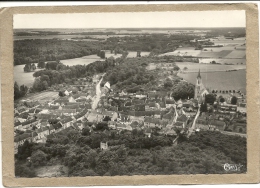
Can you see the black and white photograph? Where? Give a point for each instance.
(130, 93)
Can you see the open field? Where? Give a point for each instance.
(194, 67)
(235, 80)
(133, 54)
(236, 54)
(22, 77)
(225, 61)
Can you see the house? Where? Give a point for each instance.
(202, 123)
(170, 103)
(148, 132)
(54, 107)
(179, 125)
(242, 108)
(61, 101)
(169, 132)
(57, 127)
(187, 107)
(103, 145)
(81, 115)
(239, 127)
(42, 132)
(51, 129)
(46, 116)
(66, 122)
(112, 125)
(169, 116)
(151, 106)
(71, 106)
(17, 125)
(29, 123)
(120, 126)
(24, 115)
(183, 119)
(139, 107)
(162, 105)
(217, 125)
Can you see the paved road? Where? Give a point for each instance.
(190, 131)
(98, 94)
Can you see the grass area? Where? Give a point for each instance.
(22, 77)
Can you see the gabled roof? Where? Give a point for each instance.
(170, 101)
(168, 116)
(54, 107)
(152, 104)
(120, 125)
(29, 122)
(22, 137)
(162, 104)
(66, 120)
(178, 124)
(182, 118)
(57, 126)
(17, 123)
(148, 131)
(46, 116)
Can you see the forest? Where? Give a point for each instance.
(133, 154)
(37, 50)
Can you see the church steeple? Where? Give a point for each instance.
(199, 75)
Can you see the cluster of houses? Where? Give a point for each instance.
(150, 112)
(36, 121)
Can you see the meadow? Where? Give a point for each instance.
(22, 77)
(234, 80)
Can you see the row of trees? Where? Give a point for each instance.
(211, 98)
(19, 91)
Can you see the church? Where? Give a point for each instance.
(200, 90)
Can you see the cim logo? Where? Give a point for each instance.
(232, 167)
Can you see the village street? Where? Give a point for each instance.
(98, 94)
(191, 129)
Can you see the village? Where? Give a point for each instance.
(151, 112)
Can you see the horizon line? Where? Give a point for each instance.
(129, 27)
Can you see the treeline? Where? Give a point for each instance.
(19, 91)
(29, 67)
(155, 43)
(58, 73)
(134, 154)
(41, 50)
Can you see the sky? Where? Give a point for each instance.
(132, 20)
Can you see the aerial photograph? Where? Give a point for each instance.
(131, 93)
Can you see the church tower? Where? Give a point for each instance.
(198, 86)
